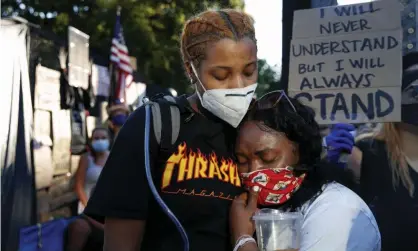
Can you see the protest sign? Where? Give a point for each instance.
(100, 80)
(78, 58)
(352, 105)
(61, 131)
(42, 143)
(349, 61)
(347, 19)
(348, 75)
(47, 89)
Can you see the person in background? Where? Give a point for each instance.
(279, 158)
(85, 233)
(385, 163)
(196, 176)
(117, 116)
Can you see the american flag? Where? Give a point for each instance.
(119, 58)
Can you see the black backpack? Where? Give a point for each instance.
(166, 110)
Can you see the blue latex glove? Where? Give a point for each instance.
(339, 141)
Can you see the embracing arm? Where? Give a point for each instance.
(80, 177)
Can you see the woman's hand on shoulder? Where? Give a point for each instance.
(240, 215)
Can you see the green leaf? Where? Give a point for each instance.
(152, 29)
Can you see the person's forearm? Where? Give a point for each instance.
(82, 197)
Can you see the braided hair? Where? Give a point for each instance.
(209, 27)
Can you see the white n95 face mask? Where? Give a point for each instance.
(230, 105)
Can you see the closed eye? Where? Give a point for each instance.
(250, 69)
(220, 73)
(268, 161)
(220, 77)
(241, 159)
(268, 156)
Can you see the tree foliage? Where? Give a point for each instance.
(268, 79)
(151, 27)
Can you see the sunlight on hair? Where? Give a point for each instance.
(391, 135)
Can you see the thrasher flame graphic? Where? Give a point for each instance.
(195, 165)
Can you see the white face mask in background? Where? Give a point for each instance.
(230, 105)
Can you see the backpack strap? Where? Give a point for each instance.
(175, 118)
(156, 119)
(166, 126)
(166, 111)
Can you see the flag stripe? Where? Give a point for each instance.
(119, 56)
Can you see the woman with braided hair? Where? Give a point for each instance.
(197, 176)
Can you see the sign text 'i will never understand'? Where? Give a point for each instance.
(347, 71)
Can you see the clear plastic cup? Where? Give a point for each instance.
(277, 230)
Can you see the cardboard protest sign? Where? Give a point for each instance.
(100, 80)
(347, 19)
(47, 89)
(350, 64)
(42, 154)
(354, 106)
(345, 62)
(61, 130)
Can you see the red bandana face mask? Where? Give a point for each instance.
(275, 186)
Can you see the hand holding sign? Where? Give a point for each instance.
(339, 141)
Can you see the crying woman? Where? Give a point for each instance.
(279, 157)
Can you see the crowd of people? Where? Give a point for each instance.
(231, 153)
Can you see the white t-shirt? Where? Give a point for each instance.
(339, 220)
(92, 176)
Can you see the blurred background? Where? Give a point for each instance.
(58, 81)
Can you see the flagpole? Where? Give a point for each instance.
(119, 67)
(111, 83)
(112, 75)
